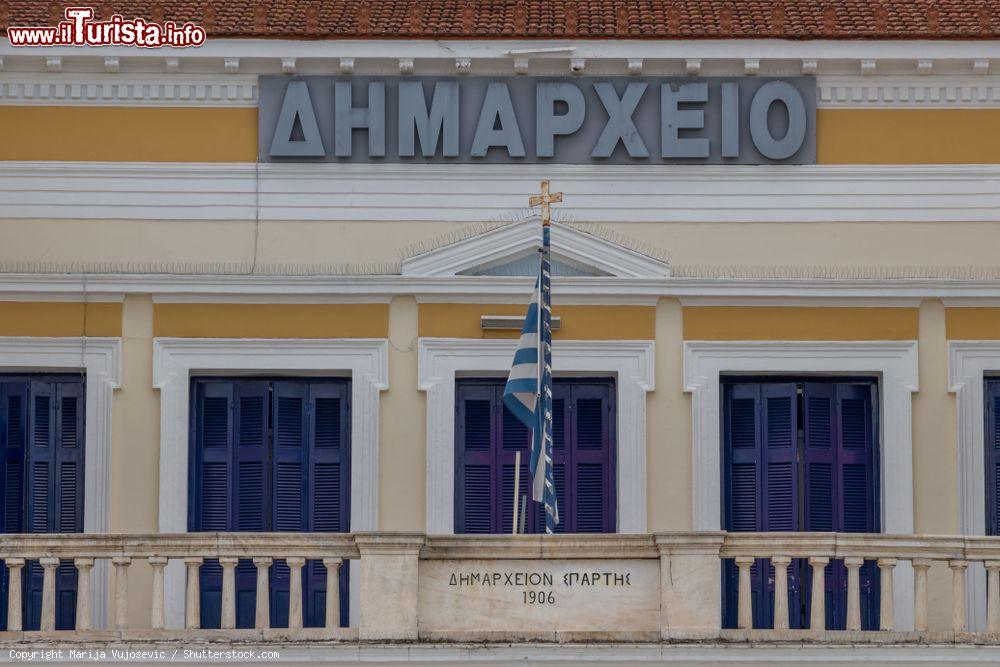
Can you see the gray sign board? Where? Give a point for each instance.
(536, 120)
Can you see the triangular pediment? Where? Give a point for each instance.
(511, 249)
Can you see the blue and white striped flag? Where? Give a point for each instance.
(528, 393)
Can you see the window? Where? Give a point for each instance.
(801, 456)
(488, 436)
(269, 455)
(41, 488)
(992, 450)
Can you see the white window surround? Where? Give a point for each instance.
(441, 360)
(895, 362)
(177, 360)
(100, 359)
(969, 361)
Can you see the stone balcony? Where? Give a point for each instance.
(663, 588)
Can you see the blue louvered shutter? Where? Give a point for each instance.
(329, 487)
(476, 489)
(589, 489)
(54, 493)
(13, 436)
(761, 483)
(514, 437)
(992, 442)
(249, 488)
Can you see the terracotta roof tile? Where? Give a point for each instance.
(635, 19)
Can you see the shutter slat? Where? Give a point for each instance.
(326, 486)
(328, 422)
(215, 496)
(743, 423)
(743, 497)
(820, 479)
(590, 509)
(589, 423)
(476, 499)
(478, 431)
(215, 420)
(38, 515)
(780, 498)
(288, 496)
(856, 502)
(854, 423)
(515, 434)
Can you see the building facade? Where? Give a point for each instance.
(259, 296)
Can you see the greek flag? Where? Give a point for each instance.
(528, 393)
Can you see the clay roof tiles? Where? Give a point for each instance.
(595, 19)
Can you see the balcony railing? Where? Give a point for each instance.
(664, 586)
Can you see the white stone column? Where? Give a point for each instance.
(781, 564)
(228, 618)
(48, 620)
(744, 606)
(332, 566)
(15, 567)
(389, 566)
(958, 569)
(157, 612)
(121, 564)
(887, 610)
(817, 610)
(992, 595)
(853, 565)
(690, 585)
(295, 592)
(921, 567)
(84, 566)
(192, 613)
(262, 615)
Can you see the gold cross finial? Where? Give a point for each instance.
(544, 200)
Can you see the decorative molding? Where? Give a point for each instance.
(208, 287)
(128, 89)
(969, 361)
(176, 360)
(922, 90)
(896, 364)
(506, 243)
(441, 359)
(595, 193)
(100, 359)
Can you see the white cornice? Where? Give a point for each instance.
(901, 292)
(482, 193)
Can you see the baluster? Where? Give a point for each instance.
(192, 616)
(920, 611)
(817, 612)
(262, 619)
(14, 567)
(121, 564)
(958, 568)
(853, 565)
(992, 595)
(887, 613)
(781, 591)
(295, 592)
(744, 605)
(48, 621)
(156, 612)
(332, 592)
(83, 570)
(228, 564)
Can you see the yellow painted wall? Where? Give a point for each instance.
(129, 134)
(60, 318)
(227, 134)
(462, 320)
(794, 323)
(973, 323)
(251, 320)
(907, 136)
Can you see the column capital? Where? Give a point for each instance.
(887, 562)
(121, 560)
(263, 561)
(781, 560)
(853, 561)
(158, 560)
(744, 560)
(333, 562)
(295, 561)
(83, 562)
(49, 561)
(992, 564)
(390, 543)
(228, 561)
(193, 560)
(819, 561)
(922, 562)
(14, 563)
(958, 564)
